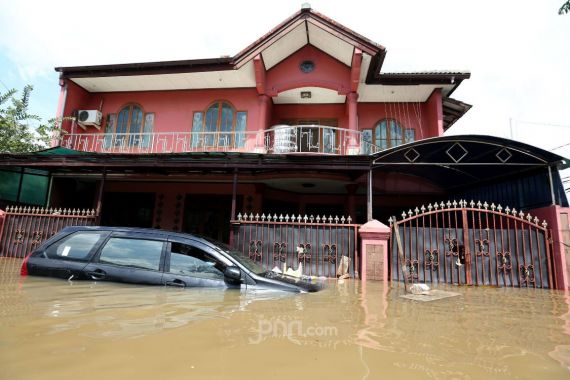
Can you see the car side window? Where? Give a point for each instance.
(189, 260)
(75, 246)
(136, 253)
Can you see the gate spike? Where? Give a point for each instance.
(256, 217)
(83, 212)
(324, 218)
(416, 211)
(349, 219)
(404, 215)
(429, 207)
(479, 204)
(536, 220)
(330, 218)
(318, 219)
(263, 217)
(342, 219)
(311, 218)
(286, 218)
(514, 212)
(485, 205)
(521, 215)
(493, 207)
(274, 217)
(251, 216)
(410, 213)
(507, 210)
(390, 221)
(442, 205)
(544, 224)
(299, 218)
(239, 216)
(528, 217)
(435, 206)
(422, 209)
(454, 203)
(336, 219)
(448, 204)
(280, 217)
(500, 208)
(472, 204)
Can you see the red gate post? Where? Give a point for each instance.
(374, 250)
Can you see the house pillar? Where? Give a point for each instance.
(374, 238)
(558, 219)
(352, 106)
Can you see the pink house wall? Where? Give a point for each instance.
(173, 110)
(433, 114)
(328, 73)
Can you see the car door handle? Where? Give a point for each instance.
(178, 283)
(97, 274)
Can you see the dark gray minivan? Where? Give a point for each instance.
(152, 257)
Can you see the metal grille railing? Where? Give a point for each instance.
(25, 228)
(318, 243)
(277, 140)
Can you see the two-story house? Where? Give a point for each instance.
(302, 121)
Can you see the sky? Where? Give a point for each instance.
(518, 51)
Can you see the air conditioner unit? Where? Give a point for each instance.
(89, 117)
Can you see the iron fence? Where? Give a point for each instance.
(25, 228)
(472, 244)
(318, 243)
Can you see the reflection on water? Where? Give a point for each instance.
(52, 328)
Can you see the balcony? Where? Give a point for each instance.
(281, 139)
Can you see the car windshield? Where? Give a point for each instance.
(237, 255)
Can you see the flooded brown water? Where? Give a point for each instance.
(54, 329)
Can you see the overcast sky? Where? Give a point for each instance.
(517, 51)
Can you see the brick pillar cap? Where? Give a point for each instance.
(374, 226)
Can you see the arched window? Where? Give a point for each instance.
(219, 126)
(388, 133)
(130, 127)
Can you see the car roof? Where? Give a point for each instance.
(149, 231)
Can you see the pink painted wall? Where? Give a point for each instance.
(557, 219)
(410, 115)
(77, 99)
(433, 114)
(173, 110)
(328, 73)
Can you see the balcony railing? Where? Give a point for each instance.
(282, 139)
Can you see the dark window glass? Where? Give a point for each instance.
(135, 253)
(34, 189)
(75, 247)
(191, 261)
(389, 133)
(9, 183)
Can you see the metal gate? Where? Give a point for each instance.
(319, 243)
(471, 244)
(25, 228)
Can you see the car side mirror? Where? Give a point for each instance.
(232, 273)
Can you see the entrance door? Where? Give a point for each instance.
(128, 209)
(208, 215)
(312, 138)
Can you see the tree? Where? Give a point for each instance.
(565, 8)
(17, 133)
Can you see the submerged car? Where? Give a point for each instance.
(152, 257)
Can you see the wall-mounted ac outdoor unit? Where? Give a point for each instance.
(89, 117)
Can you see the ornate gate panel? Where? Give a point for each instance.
(471, 244)
(319, 243)
(25, 228)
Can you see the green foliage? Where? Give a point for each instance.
(565, 8)
(21, 131)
